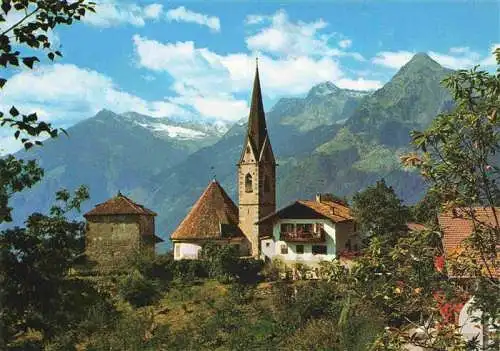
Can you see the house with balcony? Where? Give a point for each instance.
(310, 231)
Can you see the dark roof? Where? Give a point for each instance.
(119, 205)
(310, 209)
(457, 225)
(213, 216)
(256, 128)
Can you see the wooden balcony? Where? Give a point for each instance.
(303, 237)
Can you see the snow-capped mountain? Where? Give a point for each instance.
(175, 129)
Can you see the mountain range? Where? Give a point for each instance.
(332, 140)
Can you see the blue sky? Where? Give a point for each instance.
(195, 59)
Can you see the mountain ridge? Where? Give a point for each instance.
(316, 151)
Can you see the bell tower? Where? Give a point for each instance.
(256, 173)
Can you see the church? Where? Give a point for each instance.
(307, 231)
(215, 217)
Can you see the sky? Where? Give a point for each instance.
(196, 59)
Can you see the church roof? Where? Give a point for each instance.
(213, 216)
(256, 128)
(310, 209)
(119, 205)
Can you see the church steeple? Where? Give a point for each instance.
(256, 128)
(256, 173)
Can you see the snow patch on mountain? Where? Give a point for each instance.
(173, 131)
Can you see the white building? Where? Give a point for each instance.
(310, 231)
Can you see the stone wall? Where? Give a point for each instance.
(112, 240)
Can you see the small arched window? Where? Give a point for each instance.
(248, 149)
(248, 183)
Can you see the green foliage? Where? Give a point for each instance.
(426, 211)
(221, 261)
(37, 19)
(15, 176)
(138, 290)
(379, 212)
(37, 291)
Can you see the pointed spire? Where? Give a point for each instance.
(257, 129)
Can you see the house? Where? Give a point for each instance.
(215, 217)
(118, 229)
(310, 231)
(457, 225)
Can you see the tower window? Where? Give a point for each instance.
(248, 183)
(248, 149)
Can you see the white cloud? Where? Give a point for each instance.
(283, 37)
(359, 84)
(254, 19)
(181, 14)
(207, 82)
(109, 13)
(459, 50)
(203, 70)
(54, 95)
(344, 44)
(393, 59)
(490, 60)
(455, 58)
(153, 11)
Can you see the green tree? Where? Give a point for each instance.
(426, 211)
(457, 156)
(36, 290)
(379, 212)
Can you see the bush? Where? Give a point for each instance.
(221, 261)
(189, 270)
(248, 270)
(138, 290)
(274, 270)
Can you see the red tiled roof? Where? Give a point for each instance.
(457, 225)
(213, 216)
(119, 205)
(310, 209)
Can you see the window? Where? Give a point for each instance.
(304, 228)
(248, 183)
(268, 244)
(284, 249)
(299, 249)
(237, 247)
(287, 227)
(319, 249)
(248, 149)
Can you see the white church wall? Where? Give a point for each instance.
(188, 251)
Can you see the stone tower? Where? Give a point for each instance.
(256, 174)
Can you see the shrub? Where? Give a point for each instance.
(248, 270)
(189, 270)
(221, 261)
(138, 290)
(276, 270)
